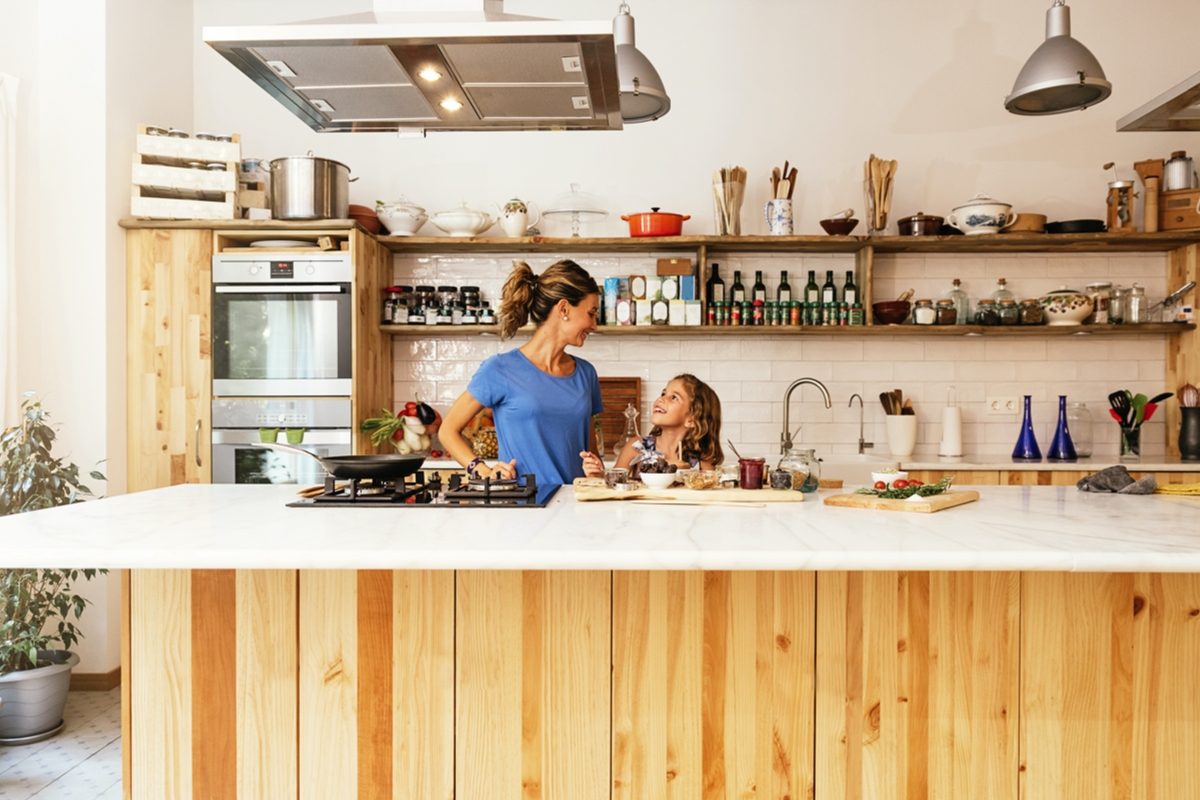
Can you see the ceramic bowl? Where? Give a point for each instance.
(888, 477)
(401, 218)
(366, 217)
(657, 480)
(462, 221)
(891, 312)
(982, 215)
(839, 226)
(1066, 307)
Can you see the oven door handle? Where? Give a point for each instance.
(264, 289)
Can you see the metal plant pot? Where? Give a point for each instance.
(34, 699)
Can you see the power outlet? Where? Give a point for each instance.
(1001, 406)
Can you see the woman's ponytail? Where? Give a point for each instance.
(516, 299)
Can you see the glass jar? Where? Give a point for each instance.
(1031, 312)
(447, 295)
(487, 316)
(962, 303)
(947, 314)
(1116, 305)
(924, 313)
(469, 296)
(423, 295)
(986, 313)
(805, 467)
(416, 315)
(750, 472)
(1101, 295)
(1080, 423)
(391, 298)
(1008, 312)
(470, 316)
(1001, 291)
(1135, 306)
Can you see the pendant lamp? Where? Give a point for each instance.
(1061, 75)
(643, 97)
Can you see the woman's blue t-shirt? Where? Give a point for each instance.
(542, 421)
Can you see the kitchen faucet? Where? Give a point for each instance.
(785, 438)
(862, 445)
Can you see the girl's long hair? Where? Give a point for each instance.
(702, 441)
(527, 295)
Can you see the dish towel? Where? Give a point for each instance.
(1116, 479)
(1180, 488)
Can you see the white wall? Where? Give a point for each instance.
(821, 84)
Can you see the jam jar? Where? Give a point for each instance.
(805, 468)
(986, 313)
(1009, 312)
(947, 314)
(1031, 312)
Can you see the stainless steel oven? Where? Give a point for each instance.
(318, 424)
(281, 325)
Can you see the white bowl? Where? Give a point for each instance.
(657, 480)
(1066, 307)
(888, 477)
(982, 214)
(401, 219)
(463, 221)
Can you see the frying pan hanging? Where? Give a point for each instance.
(379, 467)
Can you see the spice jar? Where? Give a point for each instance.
(924, 313)
(470, 316)
(1031, 312)
(423, 295)
(947, 314)
(804, 467)
(447, 295)
(1008, 312)
(1101, 294)
(1116, 305)
(469, 296)
(391, 299)
(986, 313)
(1135, 306)
(750, 472)
(487, 316)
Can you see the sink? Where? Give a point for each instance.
(855, 470)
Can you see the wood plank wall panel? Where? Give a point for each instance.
(658, 640)
(1110, 702)
(917, 688)
(1183, 349)
(375, 611)
(126, 690)
(266, 611)
(214, 676)
(372, 348)
(328, 667)
(533, 684)
(169, 351)
(422, 745)
(160, 680)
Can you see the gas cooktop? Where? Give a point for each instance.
(416, 491)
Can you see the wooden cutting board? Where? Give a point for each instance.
(590, 489)
(616, 394)
(926, 505)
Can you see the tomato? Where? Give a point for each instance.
(399, 434)
(410, 409)
(880, 485)
(916, 482)
(900, 483)
(436, 453)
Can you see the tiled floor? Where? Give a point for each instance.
(81, 763)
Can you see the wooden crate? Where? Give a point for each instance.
(166, 183)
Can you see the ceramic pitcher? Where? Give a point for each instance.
(517, 217)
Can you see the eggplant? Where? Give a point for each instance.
(425, 413)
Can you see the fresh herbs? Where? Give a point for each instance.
(924, 490)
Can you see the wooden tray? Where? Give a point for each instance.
(591, 489)
(926, 505)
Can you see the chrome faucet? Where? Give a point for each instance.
(785, 438)
(862, 445)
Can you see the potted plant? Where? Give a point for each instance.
(38, 607)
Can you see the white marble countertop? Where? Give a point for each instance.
(228, 526)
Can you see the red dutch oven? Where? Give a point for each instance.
(655, 223)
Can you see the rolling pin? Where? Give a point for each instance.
(1151, 172)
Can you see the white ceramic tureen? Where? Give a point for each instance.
(1066, 306)
(982, 214)
(401, 217)
(463, 221)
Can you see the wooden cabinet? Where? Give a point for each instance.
(1035, 477)
(169, 351)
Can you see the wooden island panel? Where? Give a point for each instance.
(533, 684)
(917, 692)
(712, 684)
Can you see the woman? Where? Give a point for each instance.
(542, 399)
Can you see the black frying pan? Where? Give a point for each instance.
(380, 467)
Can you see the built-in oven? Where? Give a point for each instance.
(281, 324)
(320, 425)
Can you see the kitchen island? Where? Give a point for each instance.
(1039, 643)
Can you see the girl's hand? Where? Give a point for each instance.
(593, 467)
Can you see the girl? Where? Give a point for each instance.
(687, 428)
(541, 397)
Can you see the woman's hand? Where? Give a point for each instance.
(593, 467)
(504, 470)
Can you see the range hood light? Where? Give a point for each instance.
(429, 74)
(643, 97)
(450, 104)
(1061, 75)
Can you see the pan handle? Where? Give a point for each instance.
(291, 448)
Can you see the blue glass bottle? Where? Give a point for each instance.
(1062, 448)
(1027, 447)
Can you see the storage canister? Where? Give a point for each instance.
(947, 314)
(1031, 312)
(1008, 312)
(985, 312)
(1101, 294)
(924, 313)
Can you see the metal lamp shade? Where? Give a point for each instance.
(1061, 75)
(643, 97)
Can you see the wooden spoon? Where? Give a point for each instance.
(885, 399)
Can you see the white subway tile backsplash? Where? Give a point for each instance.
(750, 373)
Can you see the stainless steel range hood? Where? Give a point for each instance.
(454, 65)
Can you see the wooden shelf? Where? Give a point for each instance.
(1037, 243)
(1157, 328)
